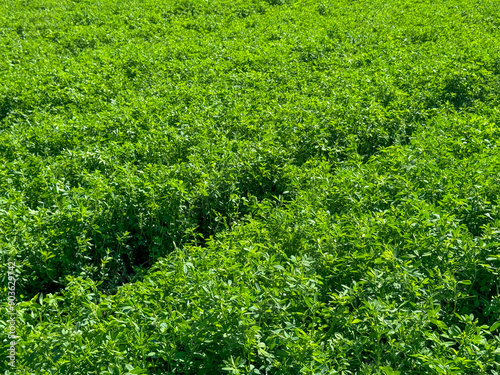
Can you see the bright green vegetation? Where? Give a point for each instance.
(251, 187)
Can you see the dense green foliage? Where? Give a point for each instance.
(251, 187)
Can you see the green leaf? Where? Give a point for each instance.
(494, 326)
(138, 370)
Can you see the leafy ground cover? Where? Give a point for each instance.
(251, 187)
